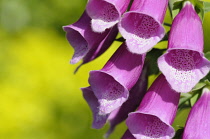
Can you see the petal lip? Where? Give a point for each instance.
(87, 44)
(112, 88)
(183, 68)
(146, 125)
(77, 41)
(110, 93)
(98, 120)
(136, 95)
(105, 13)
(98, 25)
(156, 112)
(140, 35)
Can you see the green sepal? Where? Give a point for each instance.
(199, 86)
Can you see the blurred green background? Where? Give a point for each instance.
(40, 97)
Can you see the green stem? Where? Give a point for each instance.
(170, 6)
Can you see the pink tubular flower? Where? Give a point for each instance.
(156, 112)
(87, 44)
(120, 113)
(105, 13)
(198, 122)
(112, 83)
(135, 96)
(141, 26)
(184, 63)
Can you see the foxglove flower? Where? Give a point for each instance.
(87, 44)
(184, 63)
(128, 135)
(119, 114)
(156, 112)
(135, 96)
(198, 122)
(141, 26)
(112, 83)
(105, 13)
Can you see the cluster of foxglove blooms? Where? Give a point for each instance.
(118, 91)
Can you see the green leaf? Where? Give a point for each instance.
(200, 12)
(207, 82)
(206, 6)
(183, 99)
(199, 8)
(181, 118)
(175, 6)
(198, 86)
(207, 55)
(195, 98)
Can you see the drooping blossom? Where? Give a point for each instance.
(184, 63)
(112, 83)
(155, 115)
(198, 122)
(142, 25)
(105, 13)
(119, 114)
(87, 44)
(135, 97)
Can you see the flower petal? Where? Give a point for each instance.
(156, 112)
(198, 122)
(105, 13)
(153, 8)
(135, 96)
(98, 120)
(183, 68)
(112, 88)
(184, 27)
(141, 31)
(110, 93)
(141, 27)
(184, 64)
(87, 44)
